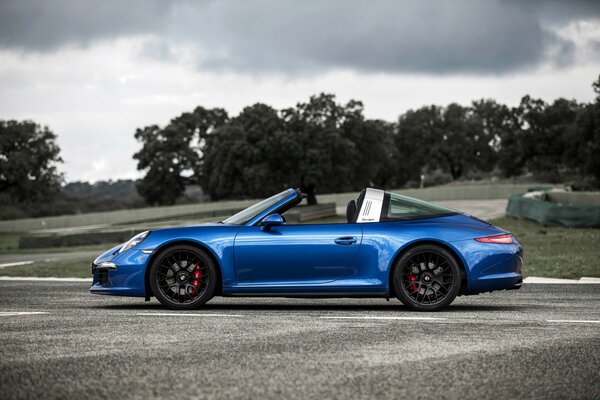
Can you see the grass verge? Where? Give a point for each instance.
(556, 252)
(73, 268)
(9, 244)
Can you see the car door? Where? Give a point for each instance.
(295, 254)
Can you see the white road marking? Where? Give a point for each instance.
(588, 280)
(585, 279)
(574, 321)
(188, 315)
(14, 313)
(398, 318)
(15, 264)
(535, 279)
(44, 279)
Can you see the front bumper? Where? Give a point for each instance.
(120, 274)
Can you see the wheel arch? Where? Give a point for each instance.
(464, 281)
(178, 242)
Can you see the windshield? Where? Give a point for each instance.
(403, 207)
(247, 214)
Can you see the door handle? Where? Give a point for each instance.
(346, 240)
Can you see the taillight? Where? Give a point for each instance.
(498, 239)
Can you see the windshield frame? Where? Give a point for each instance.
(257, 211)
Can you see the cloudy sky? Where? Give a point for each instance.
(94, 71)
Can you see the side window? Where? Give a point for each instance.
(400, 210)
(397, 207)
(317, 214)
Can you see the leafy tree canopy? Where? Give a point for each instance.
(323, 146)
(172, 156)
(28, 159)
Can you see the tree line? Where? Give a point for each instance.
(323, 146)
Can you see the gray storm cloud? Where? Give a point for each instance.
(470, 36)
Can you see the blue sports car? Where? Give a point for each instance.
(391, 246)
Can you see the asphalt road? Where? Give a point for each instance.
(540, 342)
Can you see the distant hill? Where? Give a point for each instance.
(122, 189)
(84, 197)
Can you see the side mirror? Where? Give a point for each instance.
(270, 221)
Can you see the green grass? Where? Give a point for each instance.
(9, 242)
(95, 247)
(74, 268)
(556, 252)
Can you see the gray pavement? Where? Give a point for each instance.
(540, 342)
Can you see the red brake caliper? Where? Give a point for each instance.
(413, 286)
(197, 275)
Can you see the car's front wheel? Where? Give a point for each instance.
(183, 277)
(426, 278)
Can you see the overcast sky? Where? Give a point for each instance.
(94, 71)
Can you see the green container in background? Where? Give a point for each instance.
(548, 213)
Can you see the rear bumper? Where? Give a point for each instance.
(491, 267)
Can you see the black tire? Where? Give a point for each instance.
(426, 278)
(183, 277)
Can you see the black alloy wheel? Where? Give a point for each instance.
(183, 277)
(426, 278)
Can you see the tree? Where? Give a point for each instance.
(323, 146)
(246, 157)
(318, 145)
(460, 142)
(585, 142)
(416, 130)
(172, 156)
(452, 138)
(496, 124)
(166, 154)
(28, 158)
(556, 139)
(541, 138)
(374, 153)
(322, 156)
(377, 155)
(513, 148)
(199, 125)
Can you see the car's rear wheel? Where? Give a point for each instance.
(183, 277)
(426, 278)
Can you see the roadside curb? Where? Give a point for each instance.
(584, 280)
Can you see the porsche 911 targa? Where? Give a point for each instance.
(391, 246)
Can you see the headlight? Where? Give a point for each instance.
(134, 241)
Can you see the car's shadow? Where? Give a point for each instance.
(313, 307)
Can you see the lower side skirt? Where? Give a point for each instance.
(312, 295)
